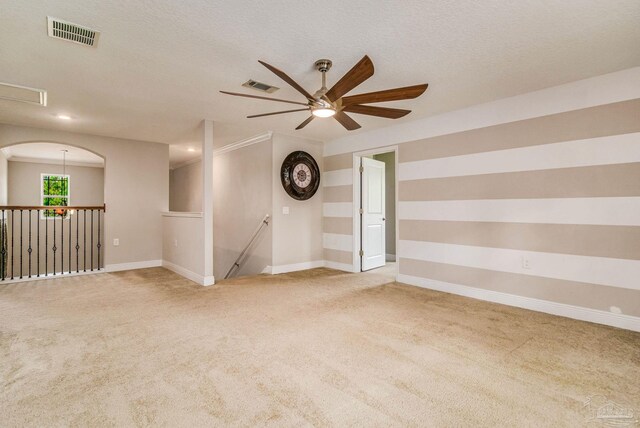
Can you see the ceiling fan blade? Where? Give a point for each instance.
(358, 74)
(305, 123)
(277, 112)
(395, 94)
(389, 113)
(281, 74)
(263, 98)
(346, 121)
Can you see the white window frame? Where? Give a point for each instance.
(42, 195)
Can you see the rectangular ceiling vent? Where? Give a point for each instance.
(59, 29)
(263, 87)
(23, 94)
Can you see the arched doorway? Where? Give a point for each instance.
(51, 210)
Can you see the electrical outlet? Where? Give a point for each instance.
(285, 210)
(175, 243)
(116, 242)
(526, 264)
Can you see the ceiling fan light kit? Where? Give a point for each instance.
(332, 102)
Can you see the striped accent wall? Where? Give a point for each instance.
(337, 209)
(545, 208)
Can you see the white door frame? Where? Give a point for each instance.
(357, 227)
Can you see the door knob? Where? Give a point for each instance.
(384, 219)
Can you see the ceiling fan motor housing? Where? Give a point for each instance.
(323, 65)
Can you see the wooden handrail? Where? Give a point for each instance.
(52, 207)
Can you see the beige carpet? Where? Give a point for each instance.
(320, 348)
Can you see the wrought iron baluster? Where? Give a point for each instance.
(69, 256)
(77, 243)
(46, 242)
(12, 220)
(99, 245)
(84, 240)
(38, 243)
(3, 250)
(91, 240)
(54, 244)
(21, 228)
(29, 250)
(61, 243)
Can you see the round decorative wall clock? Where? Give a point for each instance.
(300, 175)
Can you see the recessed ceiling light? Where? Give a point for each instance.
(191, 149)
(64, 117)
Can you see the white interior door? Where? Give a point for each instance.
(373, 215)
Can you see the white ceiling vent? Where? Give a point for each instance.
(263, 87)
(59, 29)
(23, 94)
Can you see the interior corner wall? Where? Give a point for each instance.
(136, 183)
(185, 188)
(241, 198)
(297, 236)
(4, 179)
(530, 201)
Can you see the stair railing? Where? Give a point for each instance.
(241, 257)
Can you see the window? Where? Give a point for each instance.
(55, 192)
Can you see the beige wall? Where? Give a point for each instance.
(185, 188)
(543, 209)
(136, 179)
(3, 178)
(241, 199)
(182, 245)
(389, 160)
(297, 237)
(86, 183)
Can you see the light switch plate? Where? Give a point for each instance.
(285, 210)
(116, 242)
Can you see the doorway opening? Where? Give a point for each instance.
(375, 211)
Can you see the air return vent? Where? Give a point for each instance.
(23, 94)
(59, 29)
(263, 87)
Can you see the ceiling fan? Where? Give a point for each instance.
(332, 102)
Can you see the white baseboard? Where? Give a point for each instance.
(195, 277)
(133, 265)
(390, 258)
(295, 267)
(627, 322)
(339, 266)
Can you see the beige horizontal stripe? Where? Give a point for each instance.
(340, 225)
(343, 161)
(554, 290)
(610, 119)
(621, 242)
(338, 194)
(588, 181)
(338, 256)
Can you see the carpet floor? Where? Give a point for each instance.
(313, 348)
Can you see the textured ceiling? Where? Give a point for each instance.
(159, 65)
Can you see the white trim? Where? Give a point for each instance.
(622, 273)
(182, 214)
(355, 213)
(243, 143)
(611, 211)
(55, 162)
(561, 309)
(197, 278)
(274, 270)
(600, 90)
(267, 269)
(52, 276)
(186, 163)
(339, 266)
(615, 149)
(117, 267)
